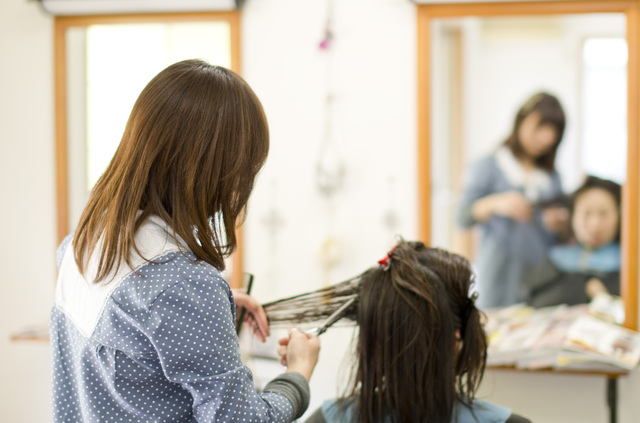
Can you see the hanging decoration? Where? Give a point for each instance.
(328, 36)
(273, 221)
(329, 168)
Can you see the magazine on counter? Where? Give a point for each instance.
(514, 331)
(543, 351)
(560, 337)
(600, 341)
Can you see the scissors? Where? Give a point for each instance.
(334, 317)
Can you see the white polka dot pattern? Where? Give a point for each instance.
(164, 350)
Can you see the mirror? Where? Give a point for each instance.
(102, 64)
(492, 66)
(483, 64)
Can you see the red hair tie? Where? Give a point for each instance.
(385, 261)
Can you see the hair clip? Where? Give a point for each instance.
(385, 262)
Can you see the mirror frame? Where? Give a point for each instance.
(61, 24)
(630, 203)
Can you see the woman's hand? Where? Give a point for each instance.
(507, 204)
(299, 352)
(556, 221)
(255, 317)
(514, 205)
(594, 287)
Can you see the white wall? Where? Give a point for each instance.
(370, 70)
(373, 73)
(27, 214)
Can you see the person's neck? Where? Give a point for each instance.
(592, 248)
(527, 163)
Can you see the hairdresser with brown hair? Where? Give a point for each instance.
(143, 325)
(503, 194)
(421, 349)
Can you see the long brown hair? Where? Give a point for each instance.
(410, 366)
(551, 113)
(195, 140)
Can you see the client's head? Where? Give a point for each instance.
(595, 212)
(421, 346)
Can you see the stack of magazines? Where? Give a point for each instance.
(584, 337)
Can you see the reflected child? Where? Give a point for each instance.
(576, 273)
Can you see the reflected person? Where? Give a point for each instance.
(500, 196)
(575, 273)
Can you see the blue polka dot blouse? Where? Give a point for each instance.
(156, 344)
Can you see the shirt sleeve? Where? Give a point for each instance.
(477, 184)
(293, 386)
(192, 327)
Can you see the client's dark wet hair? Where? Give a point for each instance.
(410, 364)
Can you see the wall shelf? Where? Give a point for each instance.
(32, 334)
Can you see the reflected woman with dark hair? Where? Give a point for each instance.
(575, 273)
(421, 349)
(500, 196)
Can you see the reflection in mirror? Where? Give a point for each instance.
(486, 74)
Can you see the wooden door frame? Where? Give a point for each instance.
(61, 25)
(630, 203)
